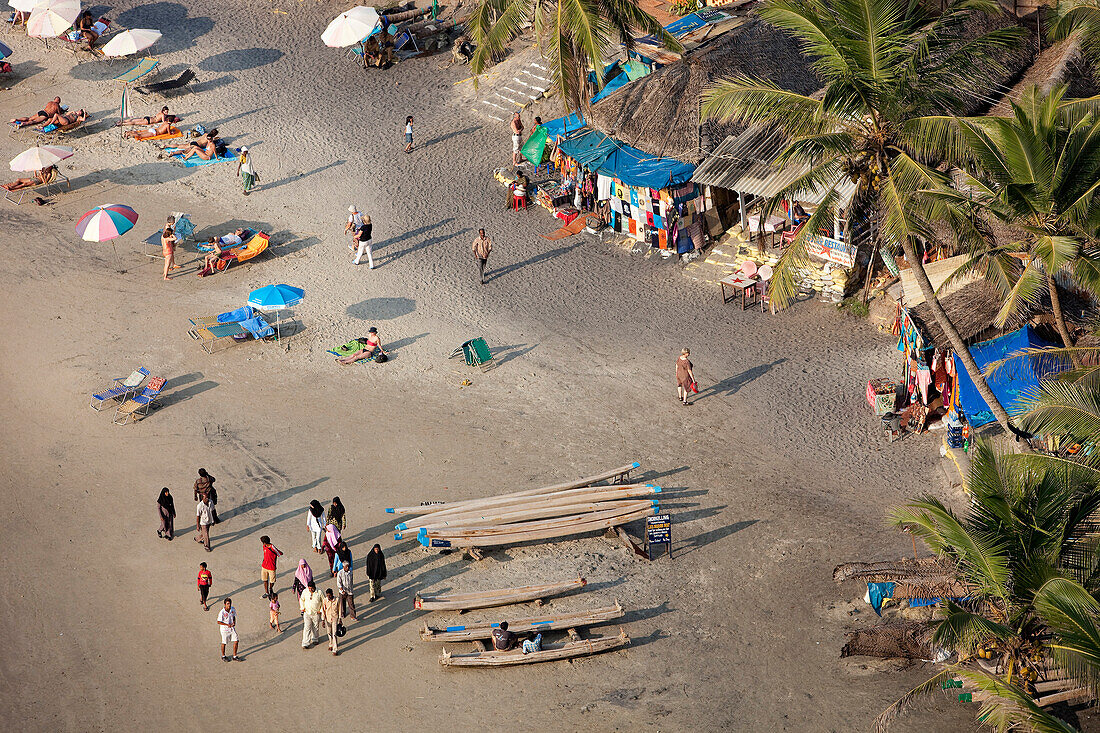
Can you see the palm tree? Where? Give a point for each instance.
(886, 64)
(1079, 20)
(1037, 171)
(1026, 541)
(576, 35)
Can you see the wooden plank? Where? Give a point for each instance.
(541, 534)
(493, 530)
(1075, 694)
(531, 624)
(548, 653)
(579, 483)
(630, 543)
(497, 597)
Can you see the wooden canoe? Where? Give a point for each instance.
(560, 498)
(579, 483)
(549, 652)
(535, 624)
(524, 515)
(540, 524)
(490, 598)
(532, 534)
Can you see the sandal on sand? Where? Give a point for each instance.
(237, 659)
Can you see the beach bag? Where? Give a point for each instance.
(219, 149)
(197, 131)
(381, 358)
(341, 629)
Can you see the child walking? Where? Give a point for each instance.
(408, 134)
(274, 605)
(205, 580)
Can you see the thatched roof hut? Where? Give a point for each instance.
(660, 112)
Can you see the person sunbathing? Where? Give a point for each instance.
(204, 146)
(211, 260)
(68, 118)
(40, 178)
(53, 107)
(85, 26)
(372, 349)
(156, 119)
(162, 128)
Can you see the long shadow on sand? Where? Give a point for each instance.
(241, 59)
(448, 136)
(730, 385)
(706, 538)
(217, 539)
(541, 257)
(299, 176)
(505, 354)
(180, 30)
(391, 257)
(182, 395)
(381, 309)
(22, 72)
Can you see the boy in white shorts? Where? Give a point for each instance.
(227, 620)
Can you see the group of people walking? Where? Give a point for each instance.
(319, 609)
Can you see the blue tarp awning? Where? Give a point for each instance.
(598, 152)
(1009, 382)
(564, 125)
(619, 81)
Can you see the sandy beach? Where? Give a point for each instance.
(776, 474)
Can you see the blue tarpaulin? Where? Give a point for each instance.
(598, 152)
(611, 86)
(564, 125)
(1009, 382)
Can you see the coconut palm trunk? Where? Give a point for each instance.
(971, 366)
(1059, 314)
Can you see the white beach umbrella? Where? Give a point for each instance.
(351, 27)
(131, 41)
(51, 18)
(40, 157)
(23, 6)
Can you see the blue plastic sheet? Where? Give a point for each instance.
(564, 125)
(1009, 382)
(598, 152)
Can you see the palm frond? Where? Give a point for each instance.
(910, 700)
(746, 99)
(1074, 615)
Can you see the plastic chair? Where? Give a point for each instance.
(764, 274)
(748, 268)
(120, 389)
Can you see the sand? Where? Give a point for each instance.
(776, 474)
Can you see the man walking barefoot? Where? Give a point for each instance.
(330, 610)
(310, 606)
(268, 565)
(227, 620)
(204, 517)
(517, 138)
(482, 247)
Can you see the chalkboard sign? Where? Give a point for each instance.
(658, 531)
(440, 543)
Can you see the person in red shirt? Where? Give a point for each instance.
(206, 579)
(267, 567)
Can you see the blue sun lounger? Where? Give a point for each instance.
(139, 405)
(120, 389)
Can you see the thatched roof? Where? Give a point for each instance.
(1053, 66)
(906, 640)
(660, 112)
(904, 570)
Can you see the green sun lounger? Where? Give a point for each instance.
(143, 69)
(476, 353)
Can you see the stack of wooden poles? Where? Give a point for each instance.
(535, 514)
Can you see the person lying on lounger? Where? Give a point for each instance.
(68, 118)
(372, 349)
(53, 107)
(161, 128)
(40, 178)
(156, 119)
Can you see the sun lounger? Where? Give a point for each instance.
(140, 405)
(169, 85)
(245, 236)
(253, 246)
(55, 132)
(241, 314)
(120, 389)
(144, 67)
(476, 352)
(195, 161)
(51, 182)
(173, 132)
(238, 324)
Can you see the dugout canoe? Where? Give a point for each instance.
(579, 483)
(525, 515)
(534, 624)
(549, 652)
(561, 498)
(531, 535)
(491, 598)
(539, 524)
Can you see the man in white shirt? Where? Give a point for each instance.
(204, 517)
(310, 606)
(355, 223)
(227, 621)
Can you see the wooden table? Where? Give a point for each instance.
(738, 282)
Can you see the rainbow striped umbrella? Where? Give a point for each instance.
(106, 222)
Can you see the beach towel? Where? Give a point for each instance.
(238, 316)
(196, 161)
(258, 327)
(173, 132)
(573, 227)
(346, 349)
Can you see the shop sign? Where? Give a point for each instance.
(832, 250)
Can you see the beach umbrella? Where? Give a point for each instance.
(42, 156)
(131, 41)
(23, 6)
(51, 18)
(106, 222)
(276, 298)
(4, 51)
(351, 27)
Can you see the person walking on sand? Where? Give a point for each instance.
(310, 606)
(204, 517)
(268, 565)
(303, 576)
(376, 571)
(685, 376)
(315, 521)
(246, 171)
(168, 244)
(166, 510)
(273, 606)
(408, 134)
(355, 222)
(517, 138)
(204, 581)
(335, 514)
(330, 614)
(204, 487)
(227, 620)
(481, 248)
(364, 242)
(345, 585)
